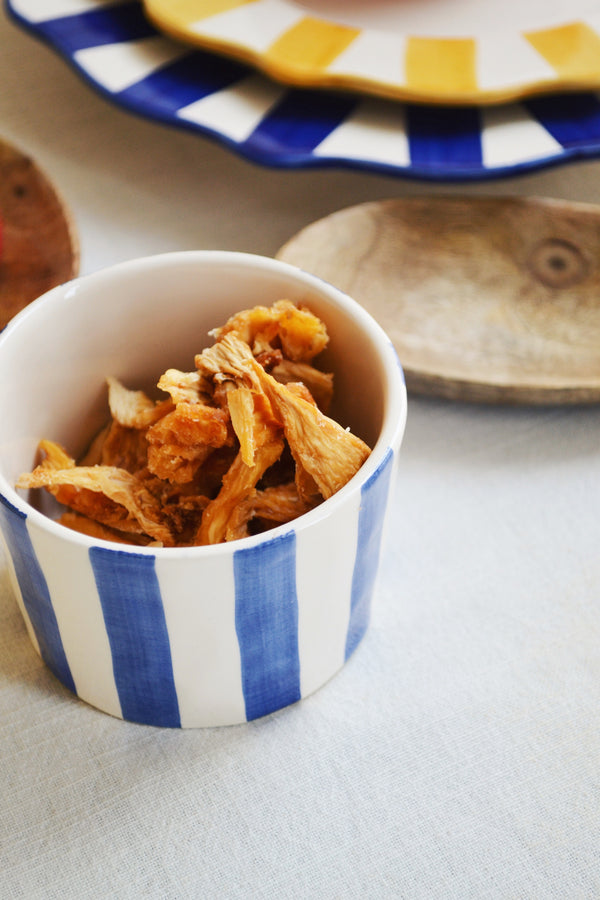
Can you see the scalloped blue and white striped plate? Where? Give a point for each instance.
(118, 51)
(454, 52)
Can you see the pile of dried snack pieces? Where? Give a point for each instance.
(239, 445)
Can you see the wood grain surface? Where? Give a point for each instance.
(39, 248)
(486, 299)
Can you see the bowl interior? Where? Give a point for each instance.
(137, 319)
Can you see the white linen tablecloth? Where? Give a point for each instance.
(457, 755)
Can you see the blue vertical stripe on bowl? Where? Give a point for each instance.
(266, 619)
(370, 527)
(137, 632)
(34, 591)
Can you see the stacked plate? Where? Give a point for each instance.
(452, 90)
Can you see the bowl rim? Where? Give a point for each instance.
(390, 436)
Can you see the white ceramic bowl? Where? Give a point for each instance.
(207, 635)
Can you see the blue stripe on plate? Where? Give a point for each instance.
(137, 633)
(445, 142)
(370, 523)
(444, 137)
(180, 83)
(266, 620)
(300, 121)
(571, 120)
(34, 591)
(109, 25)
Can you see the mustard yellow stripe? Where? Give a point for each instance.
(442, 65)
(572, 50)
(310, 44)
(180, 13)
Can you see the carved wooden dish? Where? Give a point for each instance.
(38, 248)
(485, 299)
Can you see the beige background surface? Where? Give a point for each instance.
(457, 754)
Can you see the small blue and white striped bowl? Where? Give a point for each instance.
(198, 636)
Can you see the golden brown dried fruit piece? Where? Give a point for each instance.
(241, 478)
(299, 332)
(111, 496)
(182, 440)
(239, 445)
(132, 409)
(326, 451)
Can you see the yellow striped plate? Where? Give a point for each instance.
(459, 51)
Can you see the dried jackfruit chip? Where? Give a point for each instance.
(113, 496)
(228, 358)
(85, 525)
(301, 334)
(329, 453)
(133, 409)
(241, 444)
(184, 387)
(320, 384)
(182, 440)
(125, 448)
(240, 401)
(55, 456)
(272, 506)
(240, 479)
